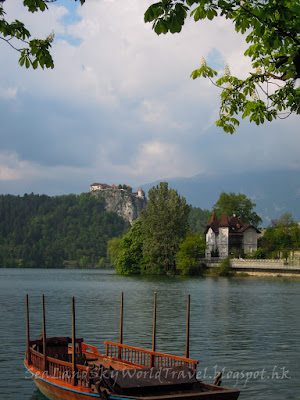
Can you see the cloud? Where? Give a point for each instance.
(158, 115)
(8, 92)
(120, 105)
(12, 168)
(40, 24)
(156, 156)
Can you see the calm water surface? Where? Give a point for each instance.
(247, 327)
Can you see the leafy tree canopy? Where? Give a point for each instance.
(113, 249)
(237, 204)
(286, 219)
(272, 30)
(285, 235)
(129, 259)
(190, 253)
(33, 52)
(165, 223)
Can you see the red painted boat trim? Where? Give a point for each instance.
(36, 374)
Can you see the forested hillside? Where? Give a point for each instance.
(198, 219)
(43, 231)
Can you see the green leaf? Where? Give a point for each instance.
(153, 12)
(35, 64)
(199, 13)
(22, 60)
(211, 13)
(160, 27)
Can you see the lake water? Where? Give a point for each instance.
(248, 327)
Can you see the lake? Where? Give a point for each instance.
(247, 327)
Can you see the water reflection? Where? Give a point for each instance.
(37, 395)
(240, 324)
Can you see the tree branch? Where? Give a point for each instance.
(275, 25)
(8, 41)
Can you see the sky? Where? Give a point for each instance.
(120, 106)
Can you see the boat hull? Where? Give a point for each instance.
(55, 391)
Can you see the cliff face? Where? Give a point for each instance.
(123, 203)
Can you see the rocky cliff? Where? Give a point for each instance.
(122, 202)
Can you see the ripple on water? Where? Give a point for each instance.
(248, 328)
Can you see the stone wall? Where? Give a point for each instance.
(250, 241)
(223, 242)
(257, 265)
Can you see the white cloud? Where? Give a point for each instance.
(12, 168)
(119, 56)
(121, 102)
(8, 93)
(158, 114)
(154, 159)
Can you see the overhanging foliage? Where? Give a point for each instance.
(272, 30)
(33, 52)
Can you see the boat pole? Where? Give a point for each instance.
(121, 326)
(154, 332)
(187, 337)
(44, 334)
(74, 378)
(28, 331)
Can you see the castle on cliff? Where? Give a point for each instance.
(120, 199)
(103, 186)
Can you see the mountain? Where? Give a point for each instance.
(273, 192)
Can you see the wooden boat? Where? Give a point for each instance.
(66, 368)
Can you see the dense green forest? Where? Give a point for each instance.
(43, 231)
(39, 231)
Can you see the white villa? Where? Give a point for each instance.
(229, 234)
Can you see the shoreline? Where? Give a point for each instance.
(267, 274)
(237, 273)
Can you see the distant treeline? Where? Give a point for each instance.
(40, 231)
(198, 219)
(43, 232)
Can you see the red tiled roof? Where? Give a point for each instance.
(213, 223)
(235, 221)
(246, 226)
(236, 225)
(224, 221)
